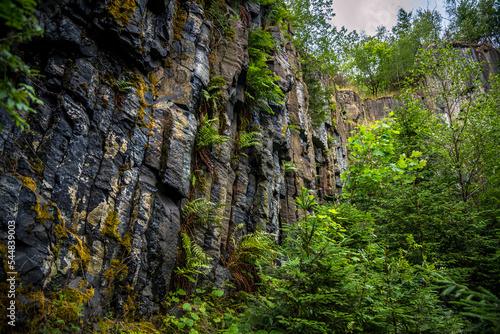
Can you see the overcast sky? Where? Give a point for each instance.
(367, 15)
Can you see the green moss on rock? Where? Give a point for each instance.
(111, 226)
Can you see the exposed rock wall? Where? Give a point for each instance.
(98, 185)
(488, 56)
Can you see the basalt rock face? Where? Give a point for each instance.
(486, 55)
(97, 186)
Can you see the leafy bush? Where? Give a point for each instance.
(374, 161)
(202, 312)
(335, 280)
(18, 24)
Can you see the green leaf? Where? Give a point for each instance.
(218, 293)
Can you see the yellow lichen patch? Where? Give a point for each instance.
(180, 19)
(60, 231)
(118, 271)
(82, 254)
(76, 295)
(155, 83)
(284, 130)
(42, 215)
(126, 242)
(141, 88)
(28, 182)
(111, 225)
(122, 10)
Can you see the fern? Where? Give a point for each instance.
(288, 166)
(260, 79)
(208, 135)
(242, 259)
(294, 127)
(248, 139)
(256, 246)
(195, 259)
(213, 93)
(198, 212)
(123, 86)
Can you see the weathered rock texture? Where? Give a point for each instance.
(97, 186)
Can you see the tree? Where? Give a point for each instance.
(18, 24)
(370, 64)
(411, 33)
(315, 34)
(454, 200)
(474, 21)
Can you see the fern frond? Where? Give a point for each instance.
(208, 135)
(195, 259)
(199, 212)
(288, 166)
(256, 246)
(248, 139)
(123, 86)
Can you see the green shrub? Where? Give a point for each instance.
(18, 24)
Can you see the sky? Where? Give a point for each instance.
(367, 15)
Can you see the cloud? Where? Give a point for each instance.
(367, 15)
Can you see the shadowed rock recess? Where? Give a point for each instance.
(97, 185)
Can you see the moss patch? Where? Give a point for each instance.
(155, 84)
(118, 271)
(28, 182)
(76, 295)
(42, 215)
(122, 10)
(180, 19)
(60, 231)
(111, 226)
(141, 89)
(126, 242)
(82, 254)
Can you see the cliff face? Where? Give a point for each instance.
(97, 186)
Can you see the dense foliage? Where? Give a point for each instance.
(380, 63)
(17, 24)
(474, 21)
(262, 87)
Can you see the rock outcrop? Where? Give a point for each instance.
(97, 186)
